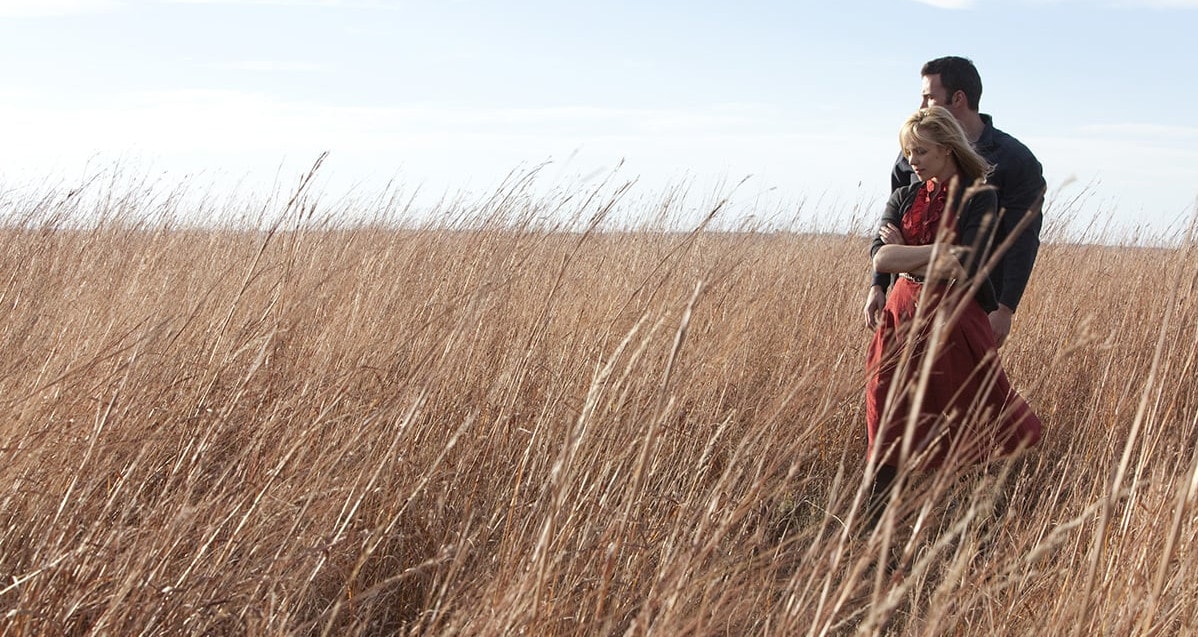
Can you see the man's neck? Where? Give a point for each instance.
(972, 122)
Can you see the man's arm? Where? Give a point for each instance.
(901, 173)
(1020, 194)
(875, 299)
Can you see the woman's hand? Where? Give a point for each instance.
(891, 235)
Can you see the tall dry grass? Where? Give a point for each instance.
(494, 425)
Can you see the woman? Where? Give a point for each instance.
(937, 393)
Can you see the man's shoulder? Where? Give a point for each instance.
(1008, 144)
(995, 143)
(902, 197)
(904, 192)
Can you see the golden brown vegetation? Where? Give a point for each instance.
(495, 428)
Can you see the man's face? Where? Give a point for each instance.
(934, 94)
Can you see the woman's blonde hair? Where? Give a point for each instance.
(935, 125)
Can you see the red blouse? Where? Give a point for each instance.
(922, 219)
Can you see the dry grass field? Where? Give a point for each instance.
(492, 426)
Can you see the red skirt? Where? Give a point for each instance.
(956, 406)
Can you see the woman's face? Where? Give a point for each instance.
(930, 160)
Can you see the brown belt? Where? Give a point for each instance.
(915, 278)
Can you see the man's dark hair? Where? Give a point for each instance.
(957, 74)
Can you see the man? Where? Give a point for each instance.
(953, 83)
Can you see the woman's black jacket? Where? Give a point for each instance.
(975, 230)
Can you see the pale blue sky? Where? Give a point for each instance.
(806, 97)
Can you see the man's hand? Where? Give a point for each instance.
(875, 302)
(1000, 323)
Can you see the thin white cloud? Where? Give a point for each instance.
(1124, 4)
(949, 4)
(444, 147)
(1103, 4)
(1142, 130)
(1159, 4)
(218, 120)
(273, 66)
(54, 8)
(341, 4)
(445, 144)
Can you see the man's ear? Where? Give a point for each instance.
(958, 95)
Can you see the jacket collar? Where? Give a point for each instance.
(986, 140)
